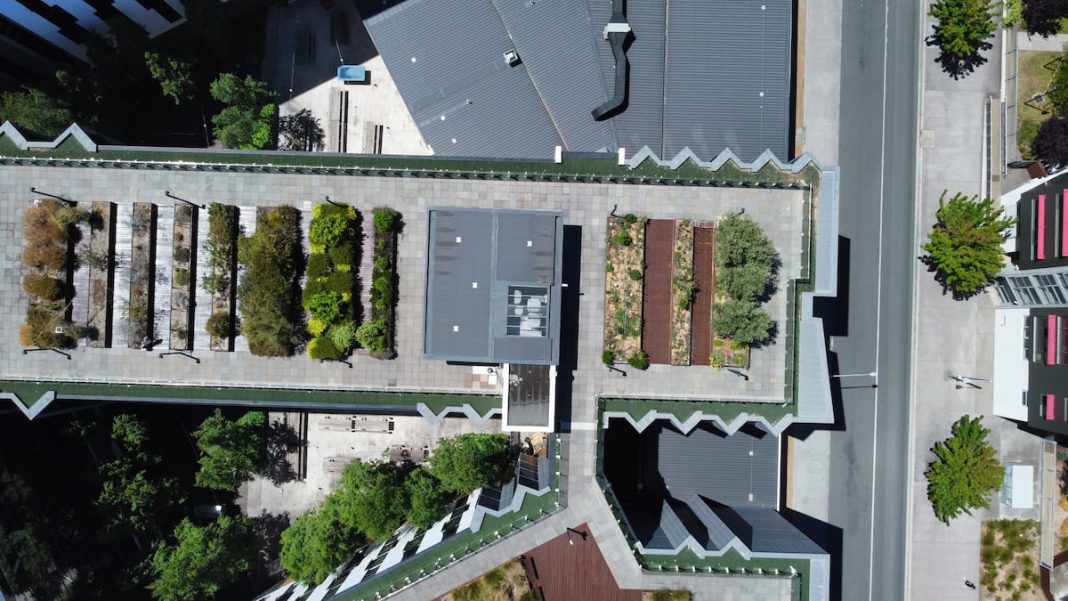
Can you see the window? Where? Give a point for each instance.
(1025, 290)
(1034, 350)
(1062, 340)
(1005, 295)
(1050, 289)
(528, 311)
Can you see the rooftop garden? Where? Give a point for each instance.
(332, 288)
(49, 231)
(745, 267)
(624, 269)
(272, 259)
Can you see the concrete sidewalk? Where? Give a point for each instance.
(951, 336)
(1054, 43)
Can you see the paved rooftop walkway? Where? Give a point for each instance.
(585, 206)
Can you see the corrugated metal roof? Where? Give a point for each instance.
(770, 532)
(736, 470)
(728, 77)
(459, 72)
(697, 71)
(544, 30)
(641, 122)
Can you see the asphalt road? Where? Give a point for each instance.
(877, 156)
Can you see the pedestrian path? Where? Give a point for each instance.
(1054, 43)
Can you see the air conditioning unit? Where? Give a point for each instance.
(58, 330)
(511, 58)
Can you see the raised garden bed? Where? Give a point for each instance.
(683, 290)
(1009, 556)
(139, 312)
(221, 280)
(183, 276)
(746, 264)
(332, 287)
(272, 318)
(377, 335)
(624, 271)
(101, 261)
(48, 228)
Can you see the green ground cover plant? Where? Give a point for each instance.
(331, 287)
(269, 294)
(377, 334)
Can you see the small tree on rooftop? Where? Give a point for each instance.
(965, 472)
(742, 321)
(964, 246)
(428, 501)
(318, 542)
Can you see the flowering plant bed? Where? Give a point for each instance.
(142, 275)
(101, 260)
(183, 274)
(331, 288)
(683, 290)
(48, 252)
(272, 260)
(221, 279)
(624, 270)
(378, 334)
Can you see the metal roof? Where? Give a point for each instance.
(737, 470)
(704, 74)
(493, 286)
(447, 59)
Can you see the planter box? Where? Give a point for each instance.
(222, 249)
(623, 293)
(385, 247)
(142, 275)
(183, 277)
(101, 272)
(682, 293)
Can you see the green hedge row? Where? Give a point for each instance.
(331, 290)
(272, 260)
(377, 334)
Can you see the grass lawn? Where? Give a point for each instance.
(1034, 78)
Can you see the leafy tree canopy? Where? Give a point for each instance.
(469, 461)
(428, 501)
(742, 321)
(248, 119)
(374, 499)
(962, 32)
(964, 247)
(745, 282)
(230, 450)
(203, 559)
(33, 109)
(1050, 144)
(965, 472)
(1043, 16)
(174, 75)
(317, 543)
(132, 496)
(740, 241)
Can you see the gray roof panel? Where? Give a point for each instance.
(478, 262)
(458, 50)
(720, 468)
(540, 30)
(772, 533)
(728, 77)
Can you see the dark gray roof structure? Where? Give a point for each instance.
(703, 74)
(707, 488)
(493, 286)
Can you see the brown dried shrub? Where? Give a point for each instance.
(43, 286)
(44, 257)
